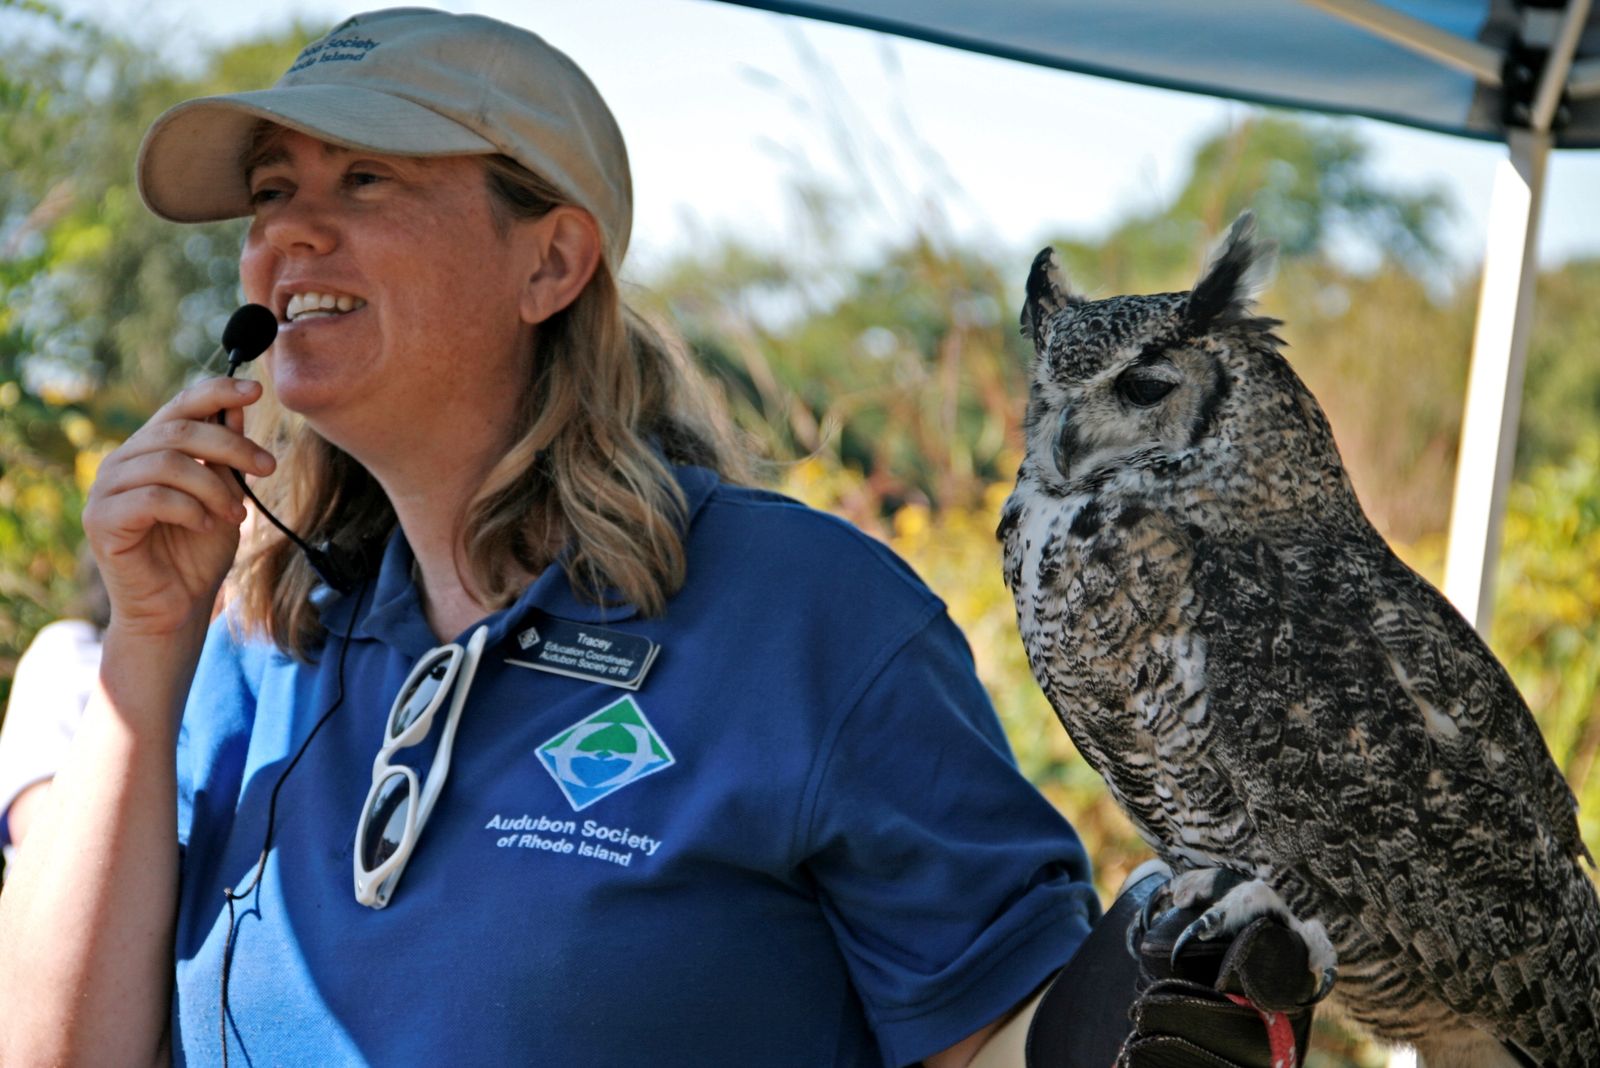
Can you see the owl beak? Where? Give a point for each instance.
(1066, 444)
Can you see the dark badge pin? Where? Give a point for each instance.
(584, 651)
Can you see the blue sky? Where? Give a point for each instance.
(722, 110)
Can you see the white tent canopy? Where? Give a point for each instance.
(1522, 72)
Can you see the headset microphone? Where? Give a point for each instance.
(250, 332)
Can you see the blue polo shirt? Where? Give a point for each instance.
(801, 840)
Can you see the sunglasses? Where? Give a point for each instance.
(398, 805)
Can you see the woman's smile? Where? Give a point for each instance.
(389, 277)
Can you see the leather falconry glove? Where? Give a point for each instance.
(1126, 998)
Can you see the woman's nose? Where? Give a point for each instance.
(303, 224)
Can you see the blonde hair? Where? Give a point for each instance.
(610, 402)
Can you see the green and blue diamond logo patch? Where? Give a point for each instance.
(603, 752)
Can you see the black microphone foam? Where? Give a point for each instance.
(249, 333)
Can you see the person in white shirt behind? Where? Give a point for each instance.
(52, 684)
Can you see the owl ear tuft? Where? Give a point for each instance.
(1238, 270)
(1046, 293)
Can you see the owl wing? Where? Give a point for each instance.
(1450, 672)
(1392, 773)
(1389, 671)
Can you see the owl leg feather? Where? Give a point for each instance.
(1235, 902)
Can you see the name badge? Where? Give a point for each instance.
(585, 651)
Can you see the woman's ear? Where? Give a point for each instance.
(563, 248)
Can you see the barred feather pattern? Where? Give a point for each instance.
(1266, 687)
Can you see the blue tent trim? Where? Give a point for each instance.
(1274, 53)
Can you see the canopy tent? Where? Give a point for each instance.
(1522, 72)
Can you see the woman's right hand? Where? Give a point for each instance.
(164, 512)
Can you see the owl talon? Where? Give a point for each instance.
(1232, 902)
(1203, 929)
(1155, 902)
(1177, 946)
(1325, 987)
(1146, 919)
(1154, 905)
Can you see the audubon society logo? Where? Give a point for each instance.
(603, 752)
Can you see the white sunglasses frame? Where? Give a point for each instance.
(374, 888)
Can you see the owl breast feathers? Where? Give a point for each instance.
(1267, 688)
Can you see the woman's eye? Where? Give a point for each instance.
(264, 195)
(359, 178)
(1144, 390)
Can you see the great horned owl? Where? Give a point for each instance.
(1266, 688)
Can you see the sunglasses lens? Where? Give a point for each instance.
(384, 824)
(414, 702)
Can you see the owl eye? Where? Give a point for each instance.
(1143, 390)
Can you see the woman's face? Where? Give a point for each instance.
(425, 341)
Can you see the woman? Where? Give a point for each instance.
(722, 785)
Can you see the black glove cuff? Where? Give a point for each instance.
(1084, 1016)
(1169, 1051)
(1230, 1033)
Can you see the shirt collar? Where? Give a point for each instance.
(395, 615)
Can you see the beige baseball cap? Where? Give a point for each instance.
(410, 82)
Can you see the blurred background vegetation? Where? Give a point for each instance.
(887, 387)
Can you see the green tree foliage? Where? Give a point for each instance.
(905, 368)
(39, 495)
(129, 305)
(1547, 623)
(104, 310)
(1307, 183)
(1561, 390)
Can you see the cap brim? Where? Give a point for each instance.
(191, 169)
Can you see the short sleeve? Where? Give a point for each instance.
(953, 886)
(54, 679)
(213, 738)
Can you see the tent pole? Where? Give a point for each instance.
(1494, 389)
(1559, 64)
(1478, 60)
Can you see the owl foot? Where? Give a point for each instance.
(1234, 903)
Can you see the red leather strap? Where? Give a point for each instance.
(1280, 1036)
